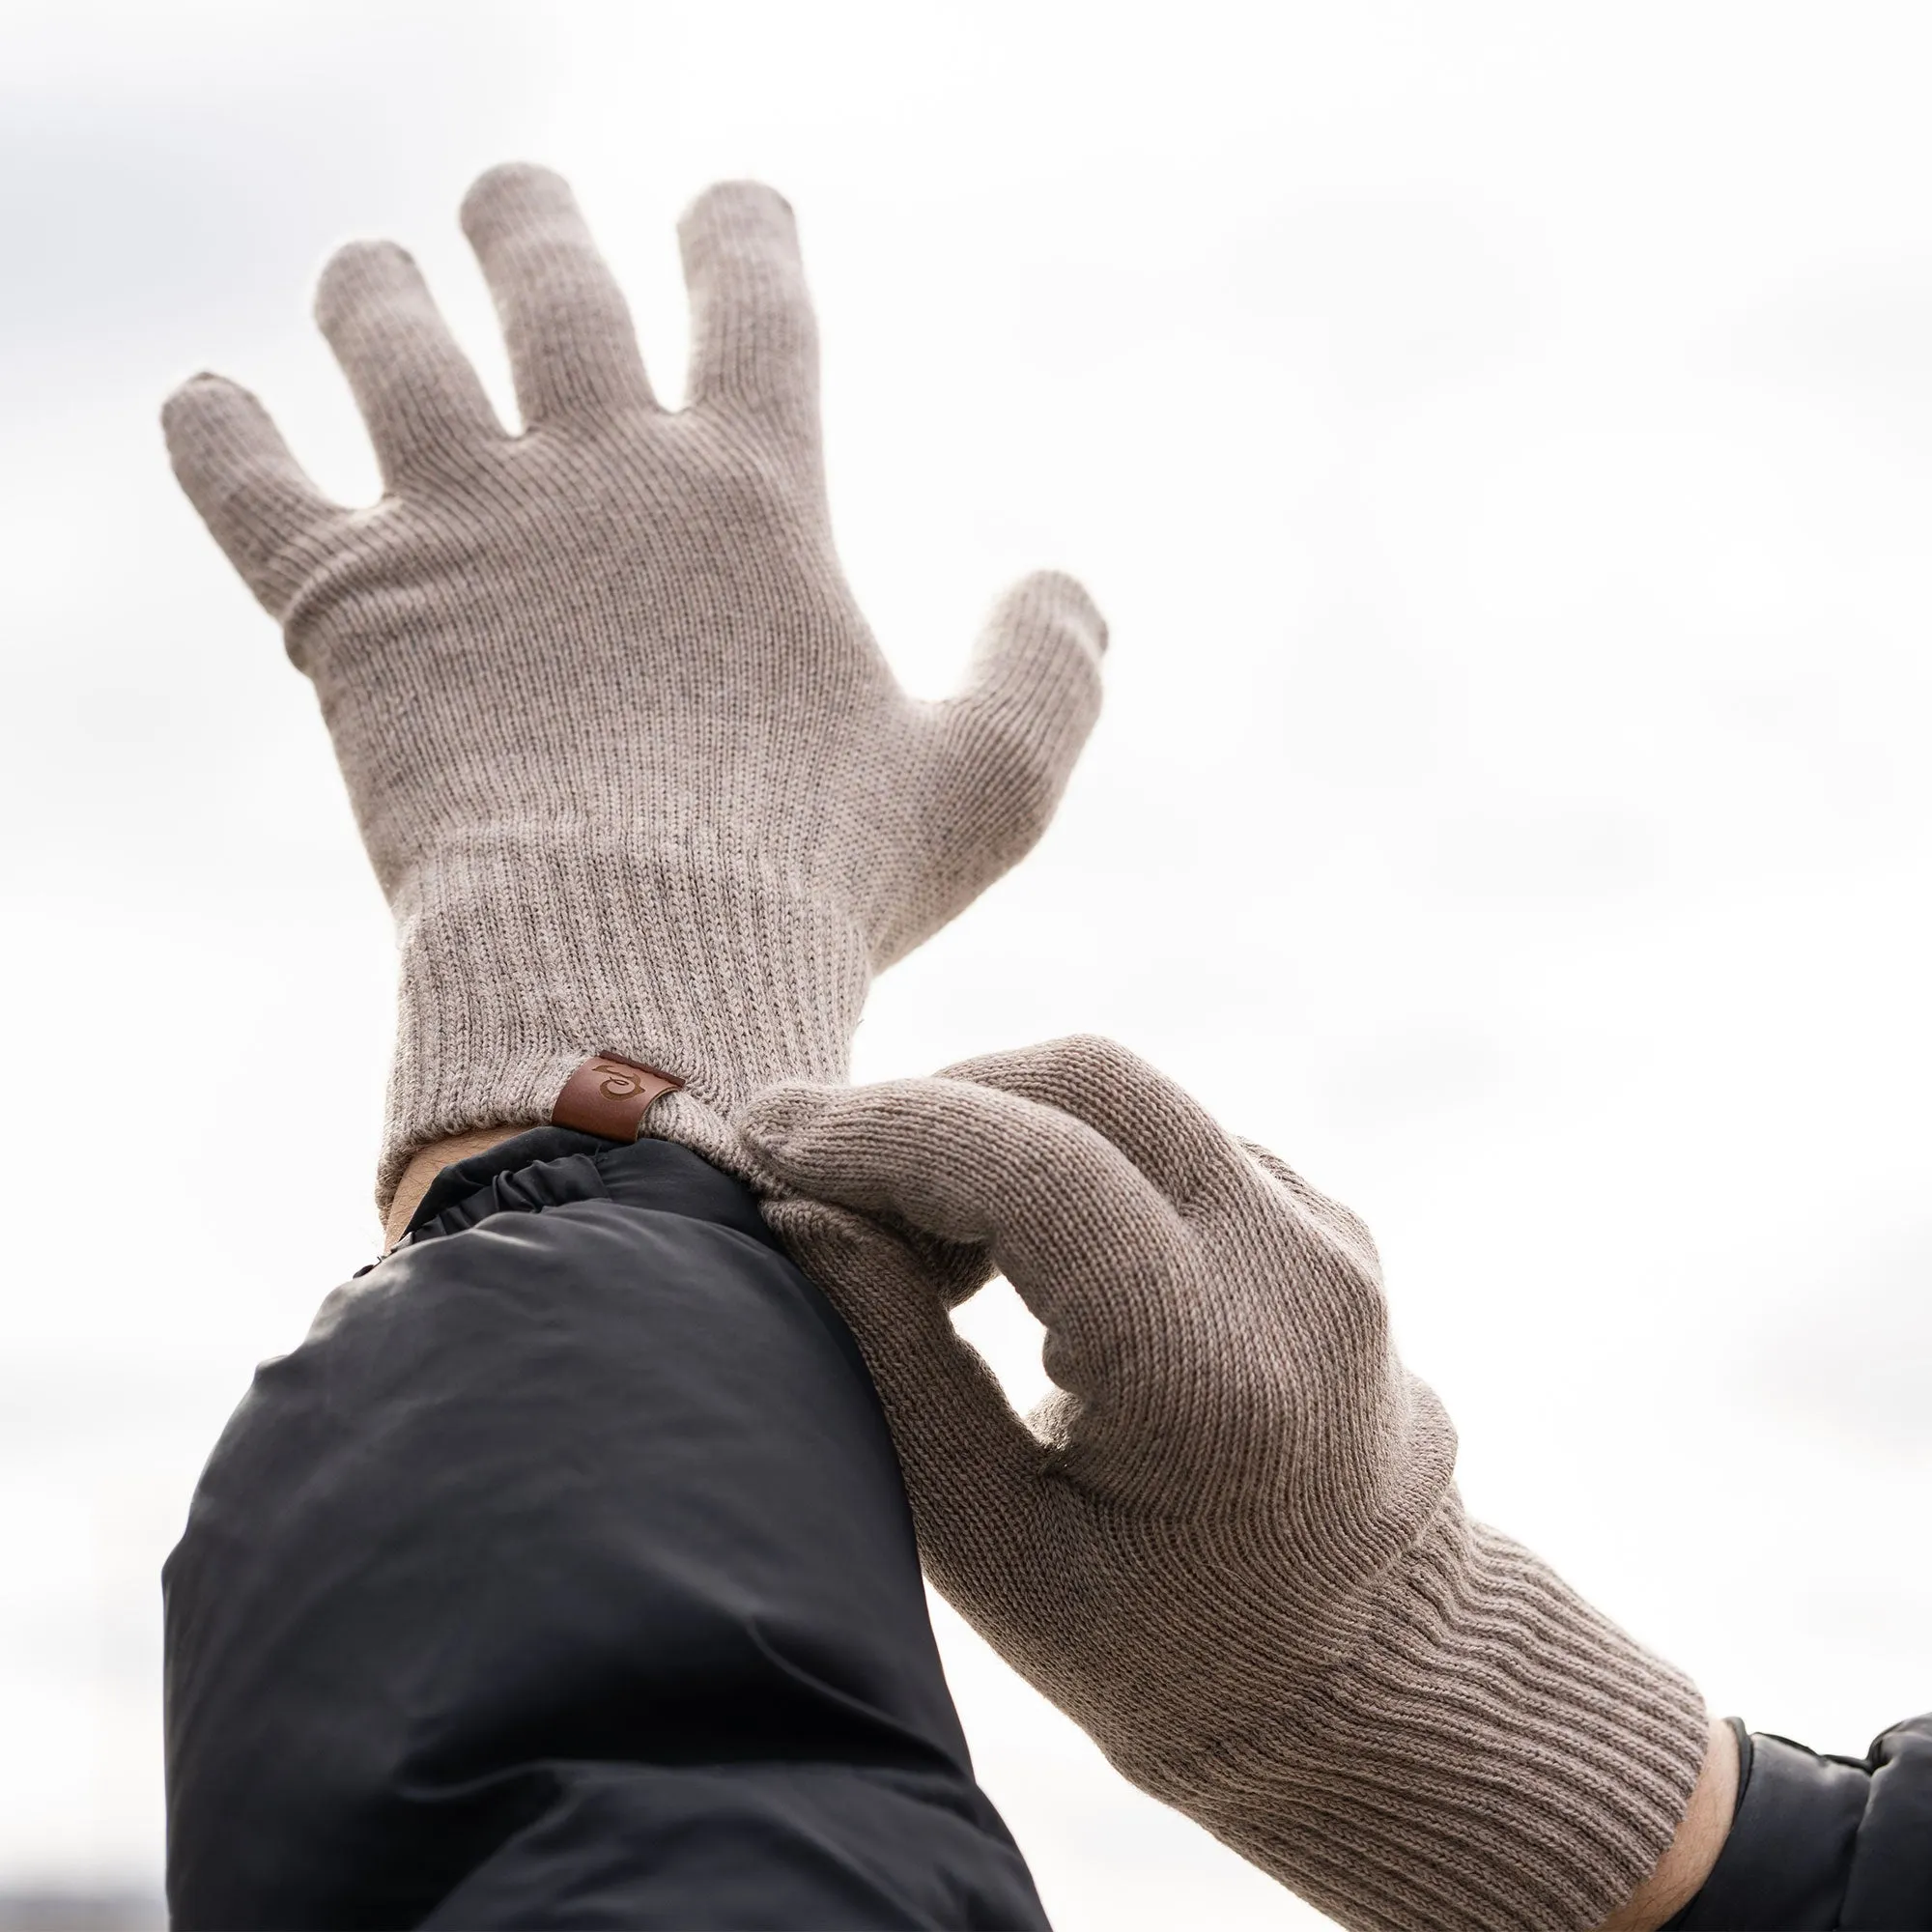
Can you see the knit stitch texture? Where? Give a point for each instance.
(630, 767)
(1230, 1545)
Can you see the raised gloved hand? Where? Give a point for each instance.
(630, 767)
(1230, 1547)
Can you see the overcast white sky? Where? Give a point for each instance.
(1501, 439)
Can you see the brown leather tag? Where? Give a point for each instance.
(609, 1095)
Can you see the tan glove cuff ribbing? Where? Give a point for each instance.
(1496, 1754)
(520, 955)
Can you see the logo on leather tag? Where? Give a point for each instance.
(610, 1096)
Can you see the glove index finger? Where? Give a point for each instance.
(256, 499)
(1060, 1208)
(1151, 1118)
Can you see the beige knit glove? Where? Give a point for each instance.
(1230, 1547)
(630, 767)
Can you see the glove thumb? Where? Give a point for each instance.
(969, 1462)
(1005, 745)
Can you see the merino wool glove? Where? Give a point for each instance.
(629, 765)
(1230, 1545)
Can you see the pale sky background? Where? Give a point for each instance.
(1501, 439)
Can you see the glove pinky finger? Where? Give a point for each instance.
(256, 499)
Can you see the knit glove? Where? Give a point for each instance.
(629, 765)
(1230, 1545)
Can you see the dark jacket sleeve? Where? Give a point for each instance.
(563, 1577)
(1825, 1844)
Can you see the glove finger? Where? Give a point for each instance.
(1009, 739)
(573, 348)
(969, 1462)
(1341, 1226)
(1153, 1120)
(254, 496)
(753, 337)
(1076, 1228)
(414, 386)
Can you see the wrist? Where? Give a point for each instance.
(425, 1164)
(1679, 1876)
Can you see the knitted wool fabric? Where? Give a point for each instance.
(628, 763)
(1230, 1547)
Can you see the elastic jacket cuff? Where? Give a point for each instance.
(1836, 1843)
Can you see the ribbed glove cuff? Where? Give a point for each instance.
(1495, 1755)
(521, 956)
